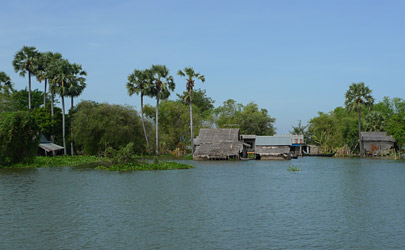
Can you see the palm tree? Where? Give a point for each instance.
(24, 61)
(5, 82)
(190, 75)
(162, 83)
(61, 71)
(358, 96)
(42, 70)
(139, 82)
(77, 83)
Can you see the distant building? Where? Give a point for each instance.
(273, 147)
(377, 143)
(219, 144)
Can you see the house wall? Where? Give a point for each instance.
(378, 147)
(272, 149)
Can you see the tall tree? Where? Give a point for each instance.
(77, 83)
(162, 84)
(24, 61)
(5, 83)
(191, 75)
(42, 68)
(358, 96)
(61, 76)
(139, 82)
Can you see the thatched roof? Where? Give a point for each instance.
(376, 136)
(216, 135)
(218, 142)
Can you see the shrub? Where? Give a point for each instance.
(19, 137)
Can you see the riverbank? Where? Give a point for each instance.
(101, 163)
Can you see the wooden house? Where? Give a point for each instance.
(273, 147)
(219, 144)
(377, 143)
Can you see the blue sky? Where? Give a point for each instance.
(293, 58)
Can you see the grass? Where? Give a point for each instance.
(162, 165)
(293, 169)
(58, 161)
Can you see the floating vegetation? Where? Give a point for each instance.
(162, 165)
(293, 169)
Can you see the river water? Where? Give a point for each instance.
(329, 204)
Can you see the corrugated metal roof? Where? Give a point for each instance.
(273, 141)
(48, 147)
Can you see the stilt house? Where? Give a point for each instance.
(218, 144)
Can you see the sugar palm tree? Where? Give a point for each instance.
(61, 76)
(24, 61)
(77, 83)
(42, 70)
(190, 75)
(5, 82)
(162, 83)
(358, 96)
(139, 82)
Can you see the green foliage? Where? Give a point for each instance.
(396, 128)
(60, 161)
(99, 126)
(18, 100)
(300, 130)
(293, 169)
(248, 118)
(175, 124)
(162, 165)
(19, 137)
(123, 155)
(199, 99)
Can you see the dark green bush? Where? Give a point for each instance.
(19, 137)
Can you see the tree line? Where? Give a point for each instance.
(95, 127)
(339, 130)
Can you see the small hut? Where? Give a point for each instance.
(273, 147)
(377, 143)
(46, 147)
(218, 144)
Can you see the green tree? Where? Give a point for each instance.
(25, 61)
(190, 75)
(19, 137)
(61, 71)
(42, 68)
(200, 99)
(358, 96)
(300, 130)
(396, 128)
(100, 126)
(77, 83)
(6, 86)
(253, 121)
(139, 82)
(175, 123)
(162, 84)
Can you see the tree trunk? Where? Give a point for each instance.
(46, 81)
(191, 123)
(143, 125)
(360, 140)
(157, 124)
(29, 90)
(63, 125)
(71, 128)
(53, 117)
